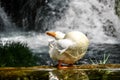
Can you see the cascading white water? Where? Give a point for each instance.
(95, 18)
(6, 21)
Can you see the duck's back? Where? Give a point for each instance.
(77, 51)
(77, 37)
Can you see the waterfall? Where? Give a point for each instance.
(5, 22)
(95, 18)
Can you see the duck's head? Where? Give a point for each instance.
(57, 35)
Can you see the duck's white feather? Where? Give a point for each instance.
(64, 44)
(60, 45)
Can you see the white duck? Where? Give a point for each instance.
(68, 48)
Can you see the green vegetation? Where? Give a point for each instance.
(104, 61)
(16, 54)
(117, 7)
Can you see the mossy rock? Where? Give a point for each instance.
(77, 72)
(117, 7)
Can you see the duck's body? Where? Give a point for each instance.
(70, 48)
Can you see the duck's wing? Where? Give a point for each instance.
(64, 44)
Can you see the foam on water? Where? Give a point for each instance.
(35, 41)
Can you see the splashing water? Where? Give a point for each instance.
(36, 42)
(94, 18)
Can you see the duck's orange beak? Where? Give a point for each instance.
(51, 34)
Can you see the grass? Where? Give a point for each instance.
(16, 54)
(103, 61)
